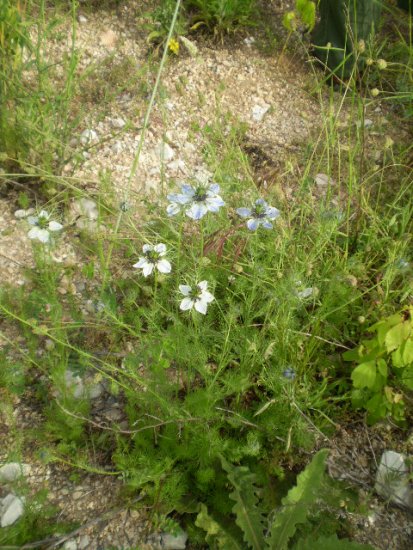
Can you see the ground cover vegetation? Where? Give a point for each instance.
(228, 320)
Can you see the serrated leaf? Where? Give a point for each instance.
(216, 536)
(330, 543)
(298, 502)
(364, 375)
(248, 514)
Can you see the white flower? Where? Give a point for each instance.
(198, 298)
(308, 292)
(260, 214)
(153, 258)
(42, 227)
(196, 201)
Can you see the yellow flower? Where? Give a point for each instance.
(173, 45)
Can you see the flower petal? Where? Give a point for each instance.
(207, 297)
(33, 233)
(197, 210)
(267, 224)
(44, 214)
(173, 209)
(140, 263)
(187, 190)
(253, 224)
(160, 249)
(55, 226)
(164, 266)
(272, 212)
(262, 202)
(244, 212)
(179, 198)
(213, 188)
(147, 269)
(186, 304)
(201, 306)
(185, 289)
(203, 285)
(43, 235)
(147, 248)
(213, 204)
(33, 220)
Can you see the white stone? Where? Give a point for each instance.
(12, 471)
(95, 390)
(84, 542)
(70, 545)
(88, 136)
(118, 123)
(176, 165)
(87, 207)
(11, 509)
(20, 214)
(117, 147)
(323, 180)
(164, 152)
(259, 111)
(392, 479)
(171, 542)
(74, 384)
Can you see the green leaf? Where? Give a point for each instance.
(408, 352)
(397, 357)
(248, 514)
(407, 377)
(352, 354)
(298, 501)
(364, 375)
(290, 21)
(330, 543)
(396, 336)
(382, 367)
(216, 536)
(306, 9)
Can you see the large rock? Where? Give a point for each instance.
(12, 471)
(392, 479)
(11, 509)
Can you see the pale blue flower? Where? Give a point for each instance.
(42, 227)
(289, 373)
(153, 258)
(198, 298)
(260, 214)
(195, 201)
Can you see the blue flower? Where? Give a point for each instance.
(196, 201)
(289, 373)
(260, 214)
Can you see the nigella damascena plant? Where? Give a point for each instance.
(195, 200)
(197, 298)
(261, 214)
(43, 227)
(153, 258)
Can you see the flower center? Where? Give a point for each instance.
(42, 222)
(259, 211)
(195, 294)
(200, 195)
(152, 256)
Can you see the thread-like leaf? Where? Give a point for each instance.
(249, 517)
(298, 502)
